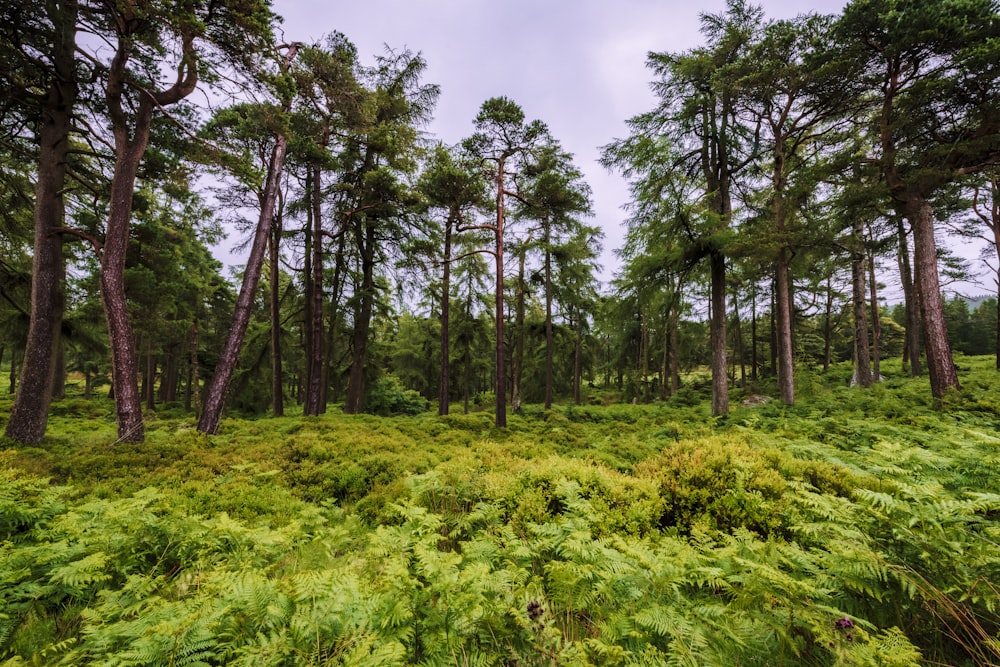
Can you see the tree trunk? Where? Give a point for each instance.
(786, 356)
(193, 399)
(578, 358)
(862, 353)
(501, 393)
(443, 389)
(876, 321)
(333, 331)
(354, 402)
(549, 338)
(277, 374)
(149, 377)
(720, 387)
(29, 414)
(828, 325)
(314, 352)
(124, 361)
(517, 353)
(940, 365)
(215, 393)
(911, 349)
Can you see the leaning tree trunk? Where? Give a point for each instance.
(29, 414)
(218, 386)
(940, 365)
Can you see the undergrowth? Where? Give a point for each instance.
(858, 527)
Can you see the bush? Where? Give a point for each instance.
(387, 397)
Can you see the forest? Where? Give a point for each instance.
(414, 428)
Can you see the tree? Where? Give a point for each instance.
(698, 116)
(931, 80)
(553, 194)
(503, 141)
(48, 85)
(778, 79)
(456, 190)
(377, 200)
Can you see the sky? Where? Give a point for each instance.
(576, 65)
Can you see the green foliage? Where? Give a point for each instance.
(387, 397)
(855, 528)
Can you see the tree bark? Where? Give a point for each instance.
(720, 386)
(501, 393)
(215, 393)
(912, 345)
(29, 414)
(517, 354)
(876, 321)
(354, 402)
(277, 375)
(940, 365)
(314, 353)
(549, 337)
(862, 351)
(443, 389)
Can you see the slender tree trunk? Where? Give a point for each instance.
(29, 414)
(578, 358)
(501, 394)
(876, 321)
(12, 377)
(517, 352)
(549, 337)
(786, 356)
(354, 402)
(333, 331)
(443, 389)
(738, 342)
(862, 352)
(315, 350)
(124, 362)
(149, 377)
(720, 387)
(911, 349)
(215, 393)
(194, 371)
(277, 375)
(940, 365)
(828, 325)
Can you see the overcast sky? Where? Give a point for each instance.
(576, 65)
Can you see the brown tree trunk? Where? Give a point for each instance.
(354, 402)
(501, 393)
(314, 353)
(720, 386)
(828, 325)
(876, 321)
(443, 389)
(911, 348)
(333, 331)
(940, 365)
(862, 351)
(549, 337)
(517, 353)
(29, 414)
(578, 358)
(218, 386)
(277, 374)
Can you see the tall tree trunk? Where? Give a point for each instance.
(501, 393)
(517, 352)
(720, 387)
(911, 348)
(354, 402)
(149, 377)
(443, 389)
(940, 365)
(862, 351)
(549, 342)
(193, 398)
(578, 357)
(277, 374)
(218, 386)
(828, 325)
(876, 321)
(29, 414)
(314, 353)
(333, 331)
